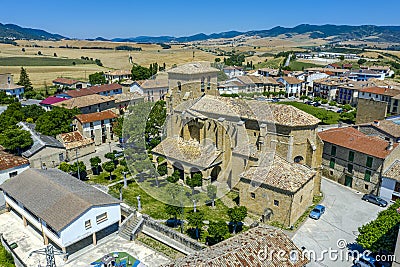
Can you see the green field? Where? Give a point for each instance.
(297, 65)
(41, 61)
(326, 116)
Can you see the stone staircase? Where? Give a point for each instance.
(131, 228)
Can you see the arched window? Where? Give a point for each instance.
(298, 159)
(179, 87)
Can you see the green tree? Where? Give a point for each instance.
(361, 61)
(236, 215)
(218, 230)
(79, 167)
(195, 180)
(303, 97)
(109, 166)
(381, 233)
(33, 111)
(117, 126)
(162, 169)
(24, 80)
(15, 140)
(6, 259)
(195, 219)
(140, 73)
(65, 167)
(95, 164)
(110, 156)
(56, 121)
(173, 211)
(341, 58)
(212, 193)
(97, 78)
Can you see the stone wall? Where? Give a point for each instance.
(369, 110)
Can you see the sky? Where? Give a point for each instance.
(131, 18)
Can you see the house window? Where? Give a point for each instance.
(276, 203)
(88, 224)
(101, 218)
(397, 187)
(333, 150)
(366, 187)
(253, 195)
(367, 176)
(332, 163)
(350, 168)
(61, 157)
(351, 155)
(13, 174)
(369, 162)
(301, 199)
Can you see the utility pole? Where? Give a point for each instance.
(125, 181)
(77, 163)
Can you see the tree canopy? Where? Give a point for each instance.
(15, 140)
(236, 215)
(218, 230)
(381, 233)
(97, 78)
(195, 219)
(56, 121)
(109, 166)
(140, 73)
(24, 80)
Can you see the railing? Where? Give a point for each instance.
(17, 260)
(176, 236)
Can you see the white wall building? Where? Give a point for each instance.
(390, 187)
(67, 211)
(233, 71)
(11, 165)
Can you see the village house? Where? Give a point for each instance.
(117, 75)
(64, 83)
(278, 191)
(390, 187)
(231, 135)
(11, 165)
(293, 86)
(96, 126)
(76, 145)
(365, 75)
(385, 129)
(233, 71)
(66, 212)
(266, 72)
(8, 86)
(356, 160)
(46, 151)
(103, 90)
(249, 248)
(248, 84)
(48, 103)
(152, 90)
(375, 103)
(88, 103)
(124, 100)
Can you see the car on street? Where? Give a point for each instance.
(317, 212)
(291, 98)
(375, 200)
(317, 104)
(308, 102)
(275, 100)
(339, 110)
(367, 261)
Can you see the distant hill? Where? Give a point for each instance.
(338, 32)
(12, 31)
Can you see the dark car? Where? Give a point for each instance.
(317, 104)
(308, 102)
(367, 261)
(375, 200)
(275, 100)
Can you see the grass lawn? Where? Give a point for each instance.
(271, 63)
(6, 260)
(326, 116)
(41, 61)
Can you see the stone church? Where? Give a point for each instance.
(269, 153)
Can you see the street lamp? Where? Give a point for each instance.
(125, 181)
(138, 203)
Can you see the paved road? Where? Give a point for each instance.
(100, 152)
(345, 212)
(288, 60)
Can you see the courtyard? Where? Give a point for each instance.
(338, 226)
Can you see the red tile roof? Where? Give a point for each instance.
(98, 116)
(8, 161)
(381, 91)
(93, 90)
(65, 81)
(52, 100)
(350, 138)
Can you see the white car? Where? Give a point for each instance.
(291, 98)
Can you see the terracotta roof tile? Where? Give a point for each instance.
(292, 80)
(350, 138)
(97, 116)
(84, 101)
(8, 161)
(393, 171)
(381, 91)
(65, 81)
(93, 90)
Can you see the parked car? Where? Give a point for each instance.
(317, 212)
(339, 110)
(291, 98)
(308, 102)
(375, 200)
(275, 100)
(317, 104)
(367, 261)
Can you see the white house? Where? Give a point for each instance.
(117, 75)
(293, 85)
(8, 86)
(233, 71)
(152, 90)
(65, 210)
(390, 187)
(11, 165)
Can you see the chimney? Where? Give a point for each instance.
(390, 146)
